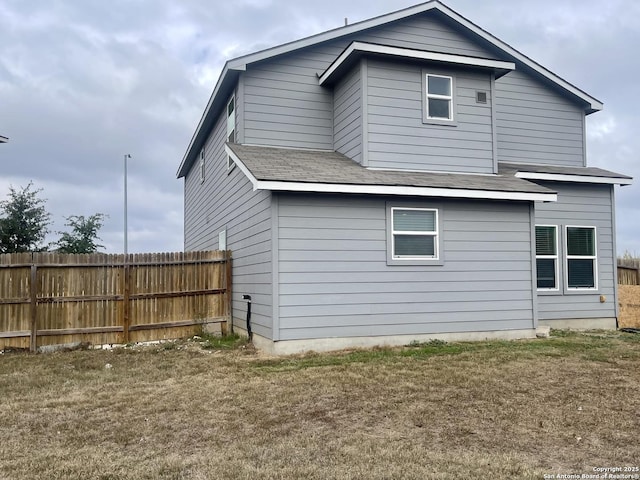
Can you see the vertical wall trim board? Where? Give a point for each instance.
(494, 131)
(240, 114)
(534, 273)
(615, 253)
(364, 75)
(584, 140)
(275, 266)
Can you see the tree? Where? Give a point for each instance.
(83, 235)
(23, 225)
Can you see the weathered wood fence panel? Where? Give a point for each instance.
(629, 294)
(50, 298)
(628, 275)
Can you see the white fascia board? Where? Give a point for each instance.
(414, 54)
(560, 177)
(3, 139)
(402, 191)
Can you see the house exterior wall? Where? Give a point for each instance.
(399, 137)
(537, 125)
(334, 280)
(227, 201)
(285, 106)
(347, 115)
(581, 205)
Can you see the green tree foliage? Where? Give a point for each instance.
(24, 221)
(83, 235)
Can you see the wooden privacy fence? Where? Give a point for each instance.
(50, 298)
(629, 295)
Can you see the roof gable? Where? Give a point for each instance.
(485, 41)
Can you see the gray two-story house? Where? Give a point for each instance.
(403, 178)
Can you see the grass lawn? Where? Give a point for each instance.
(499, 410)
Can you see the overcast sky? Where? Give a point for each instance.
(84, 82)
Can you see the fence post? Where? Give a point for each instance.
(126, 298)
(34, 310)
(229, 290)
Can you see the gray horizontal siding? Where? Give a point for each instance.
(227, 201)
(347, 121)
(537, 125)
(582, 205)
(398, 138)
(300, 112)
(426, 31)
(334, 279)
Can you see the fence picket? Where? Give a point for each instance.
(49, 298)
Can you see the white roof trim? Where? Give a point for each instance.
(414, 54)
(563, 177)
(3, 139)
(403, 190)
(386, 189)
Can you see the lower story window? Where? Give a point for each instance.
(582, 259)
(547, 257)
(414, 233)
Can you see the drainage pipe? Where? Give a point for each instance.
(248, 299)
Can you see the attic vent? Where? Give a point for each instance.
(481, 97)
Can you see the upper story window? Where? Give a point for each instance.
(439, 97)
(582, 258)
(202, 166)
(231, 127)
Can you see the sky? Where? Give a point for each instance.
(82, 83)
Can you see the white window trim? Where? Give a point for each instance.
(555, 257)
(230, 163)
(202, 166)
(434, 234)
(593, 258)
(439, 97)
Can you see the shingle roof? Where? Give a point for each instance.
(513, 168)
(268, 164)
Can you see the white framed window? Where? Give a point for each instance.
(202, 166)
(439, 97)
(547, 257)
(231, 127)
(414, 233)
(581, 258)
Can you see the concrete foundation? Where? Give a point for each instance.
(581, 323)
(289, 347)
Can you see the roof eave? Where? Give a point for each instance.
(562, 177)
(399, 190)
(499, 67)
(199, 135)
(593, 104)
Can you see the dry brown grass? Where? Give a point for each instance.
(483, 410)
